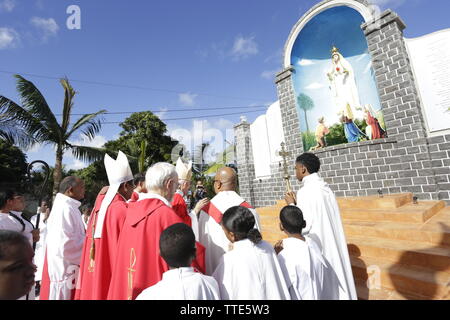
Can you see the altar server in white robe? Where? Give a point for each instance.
(300, 257)
(64, 244)
(250, 270)
(323, 224)
(211, 234)
(39, 253)
(177, 247)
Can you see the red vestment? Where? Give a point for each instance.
(96, 277)
(180, 208)
(134, 197)
(138, 264)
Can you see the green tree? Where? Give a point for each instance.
(144, 140)
(305, 103)
(38, 120)
(13, 166)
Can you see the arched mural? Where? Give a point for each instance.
(334, 83)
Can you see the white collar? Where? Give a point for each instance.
(71, 201)
(312, 177)
(144, 196)
(177, 273)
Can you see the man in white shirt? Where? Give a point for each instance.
(324, 225)
(181, 282)
(65, 238)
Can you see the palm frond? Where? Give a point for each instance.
(14, 114)
(92, 125)
(87, 154)
(34, 102)
(69, 94)
(13, 133)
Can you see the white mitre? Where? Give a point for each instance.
(118, 172)
(184, 171)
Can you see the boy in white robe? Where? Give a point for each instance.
(300, 257)
(177, 247)
(250, 270)
(323, 224)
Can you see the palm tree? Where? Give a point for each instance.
(305, 103)
(38, 121)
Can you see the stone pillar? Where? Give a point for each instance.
(244, 156)
(401, 106)
(290, 119)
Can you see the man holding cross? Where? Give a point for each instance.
(324, 225)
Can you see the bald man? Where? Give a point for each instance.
(211, 234)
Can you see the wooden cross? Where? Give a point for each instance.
(284, 154)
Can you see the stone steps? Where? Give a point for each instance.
(385, 202)
(413, 213)
(407, 282)
(411, 253)
(408, 243)
(397, 231)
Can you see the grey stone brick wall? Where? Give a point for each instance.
(406, 161)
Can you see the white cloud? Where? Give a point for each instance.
(9, 38)
(187, 99)
(75, 165)
(314, 86)
(7, 5)
(47, 27)
(244, 47)
(162, 113)
(269, 74)
(305, 62)
(204, 131)
(98, 142)
(388, 3)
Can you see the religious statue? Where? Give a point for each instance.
(345, 94)
(343, 85)
(321, 131)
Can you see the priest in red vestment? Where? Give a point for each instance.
(184, 172)
(106, 229)
(138, 264)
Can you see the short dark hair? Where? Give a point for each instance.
(310, 161)
(292, 220)
(241, 222)
(67, 183)
(138, 178)
(177, 245)
(6, 195)
(9, 238)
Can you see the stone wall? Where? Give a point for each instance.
(406, 161)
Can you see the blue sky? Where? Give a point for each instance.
(199, 54)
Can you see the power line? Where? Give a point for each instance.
(126, 86)
(197, 117)
(171, 110)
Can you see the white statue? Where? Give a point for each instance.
(343, 85)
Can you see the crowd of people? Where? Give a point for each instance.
(140, 241)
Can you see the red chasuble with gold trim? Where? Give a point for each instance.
(96, 284)
(85, 277)
(138, 263)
